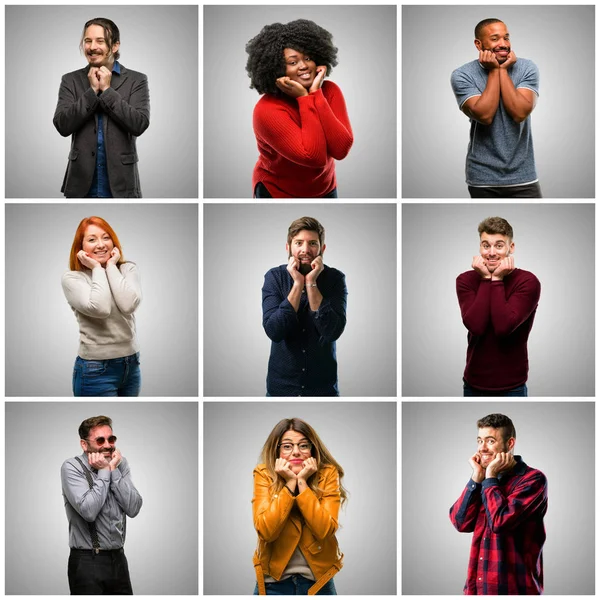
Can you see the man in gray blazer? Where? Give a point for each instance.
(104, 107)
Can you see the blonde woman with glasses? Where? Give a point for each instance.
(297, 497)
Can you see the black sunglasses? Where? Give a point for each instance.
(100, 440)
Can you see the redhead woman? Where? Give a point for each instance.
(104, 291)
(301, 123)
(297, 497)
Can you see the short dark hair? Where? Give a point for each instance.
(111, 33)
(495, 225)
(89, 424)
(308, 224)
(482, 25)
(498, 421)
(265, 51)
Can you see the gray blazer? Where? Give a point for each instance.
(126, 107)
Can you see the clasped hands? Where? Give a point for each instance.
(284, 468)
(98, 461)
(87, 261)
(295, 90)
(99, 78)
(506, 267)
(503, 461)
(488, 59)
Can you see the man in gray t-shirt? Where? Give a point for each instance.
(498, 92)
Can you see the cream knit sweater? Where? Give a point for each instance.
(104, 301)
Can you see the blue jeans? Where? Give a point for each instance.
(261, 191)
(521, 390)
(112, 377)
(296, 585)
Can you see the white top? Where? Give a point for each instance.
(104, 301)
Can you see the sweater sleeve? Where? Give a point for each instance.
(334, 119)
(303, 143)
(509, 313)
(125, 286)
(330, 318)
(91, 299)
(474, 302)
(270, 512)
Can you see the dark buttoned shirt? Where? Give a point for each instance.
(506, 516)
(303, 354)
(100, 184)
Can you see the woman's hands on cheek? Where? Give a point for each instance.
(291, 88)
(284, 468)
(309, 467)
(115, 255)
(87, 261)
(318, 80)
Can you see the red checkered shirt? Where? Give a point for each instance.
(506, 515)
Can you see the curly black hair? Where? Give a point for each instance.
(265, 51)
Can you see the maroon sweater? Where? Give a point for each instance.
(499, 316)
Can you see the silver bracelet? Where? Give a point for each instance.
(311, 285)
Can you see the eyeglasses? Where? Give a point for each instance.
(100, 440)
(287, 448)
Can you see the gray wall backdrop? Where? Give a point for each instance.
(366, 74)
(41, 328)
(160, 441)
(362, 438)
(160, 41)
(435, 133)
(437, 441)
(242, 242)
(553, 241)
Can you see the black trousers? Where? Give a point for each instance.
(261, 191)
(531, 190)
(95, 574)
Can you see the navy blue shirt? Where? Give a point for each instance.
(303, 358)
(100, 185)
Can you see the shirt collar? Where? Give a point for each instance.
(116, 68)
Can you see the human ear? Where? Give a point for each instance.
(477, 44)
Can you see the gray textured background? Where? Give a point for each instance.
(553, 241)
(42, 44)
(41, 331)
(362, 438)
(160, 442)
(437, 440)
(435, 133)
(242, 242)
(366, 74)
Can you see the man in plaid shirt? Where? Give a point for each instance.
(504, 504)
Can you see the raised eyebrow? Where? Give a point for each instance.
(292, 441)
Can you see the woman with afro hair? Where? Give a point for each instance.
(301, 123)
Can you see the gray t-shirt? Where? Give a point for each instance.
(500, 153)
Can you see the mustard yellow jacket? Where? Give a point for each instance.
(308, 520)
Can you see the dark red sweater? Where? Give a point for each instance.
(499, 316)
(298, 138)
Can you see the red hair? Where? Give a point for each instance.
(74, 263)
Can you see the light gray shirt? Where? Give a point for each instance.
(112, 498)
(104, 301)
(500, 153)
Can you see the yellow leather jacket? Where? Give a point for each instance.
(284, 521)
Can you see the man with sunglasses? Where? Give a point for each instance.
(99, 494)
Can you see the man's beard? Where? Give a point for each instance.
(305, 268)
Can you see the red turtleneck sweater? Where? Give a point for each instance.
(298, 138)
(499, 316)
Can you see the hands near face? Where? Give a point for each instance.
(478, 471)
(309, 467)
(291, 88)
(506, 267)
(97, 461)
(317, 268)
(116, 460)
(488, 59)
(99, 78)
(318, 80)
(480, 266)
(284, 468)
(292, 268)
(87, 261)
(503, 461)
(511, 59)
(115, 255)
